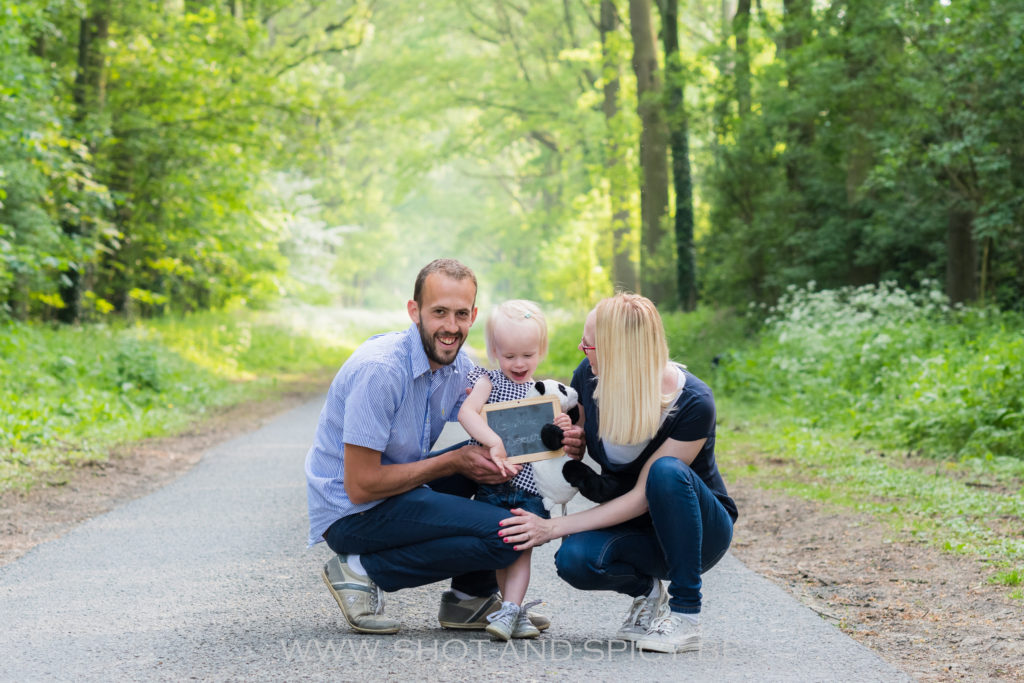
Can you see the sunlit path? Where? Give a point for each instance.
(210, 578)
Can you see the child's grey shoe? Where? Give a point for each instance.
(524, 628)
(503, 622)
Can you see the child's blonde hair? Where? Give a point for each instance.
(516, 312)
(632, 353)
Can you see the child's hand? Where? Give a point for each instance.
(500, 459)
(562, 421)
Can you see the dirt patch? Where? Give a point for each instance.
(48, 511)
(930, 614)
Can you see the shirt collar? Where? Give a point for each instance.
(418, 356)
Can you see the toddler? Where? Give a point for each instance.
(517, 340)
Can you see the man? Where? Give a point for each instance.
(368, 468)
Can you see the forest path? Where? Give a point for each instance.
(209, 578)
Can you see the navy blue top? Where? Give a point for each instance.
(692, 419)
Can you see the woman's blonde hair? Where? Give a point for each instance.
(632, 355)
(516, 312)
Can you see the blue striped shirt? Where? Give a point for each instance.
(384, 398)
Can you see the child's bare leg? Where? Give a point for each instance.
(516, 579)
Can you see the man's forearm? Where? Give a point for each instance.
(367, 479)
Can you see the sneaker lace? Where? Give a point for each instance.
(508, 611)
(531, 604)
(665, 625)
(377, 600)
(635, 612)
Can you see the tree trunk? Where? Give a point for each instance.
(623, 261)
(796, 22)
(682, 183)
(88, 97)
(655, 264)
(741, 32)
(961, 256)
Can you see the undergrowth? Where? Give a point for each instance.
(70, 393)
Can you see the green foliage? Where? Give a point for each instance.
(874, 125)
(135, 167)
(905, 369)
(70, 393)
(695, 339)
(1012, 577)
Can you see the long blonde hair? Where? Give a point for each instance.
(632, 355)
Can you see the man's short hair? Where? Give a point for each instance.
(446, 266)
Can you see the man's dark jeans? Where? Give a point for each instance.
(427, 535)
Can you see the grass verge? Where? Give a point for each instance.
(971, 506)
(70, 394)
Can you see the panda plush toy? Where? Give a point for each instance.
(553, 487)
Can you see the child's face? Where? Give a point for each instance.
(518, 350)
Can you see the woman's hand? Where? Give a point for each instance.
(526, 529)
(574, 443)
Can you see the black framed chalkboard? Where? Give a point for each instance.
(518, 423)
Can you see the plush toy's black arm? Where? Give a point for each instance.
(596, 487)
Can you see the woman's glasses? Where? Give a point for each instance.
(583, 346)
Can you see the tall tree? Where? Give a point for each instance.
(88, 95)
(656, 272)
(741, 36)
(623, 261)
(679, 141)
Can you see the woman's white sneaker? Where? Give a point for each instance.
(672, 633)
(641, 615)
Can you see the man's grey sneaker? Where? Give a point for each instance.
(524, 628)
(360, 599)
(471, 613)
(466, 614)
(503, 622)
(672, 633)
(641, 614)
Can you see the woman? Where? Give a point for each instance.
(665, 513)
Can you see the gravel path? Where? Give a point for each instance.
(209, 578)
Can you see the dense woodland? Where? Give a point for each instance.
(182, 155)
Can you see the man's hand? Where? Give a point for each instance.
(574, 442)
(475, 463)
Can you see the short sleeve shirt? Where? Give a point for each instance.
(386, 398)
(692, 419)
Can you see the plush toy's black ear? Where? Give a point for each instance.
(551, 436)
(540, 387)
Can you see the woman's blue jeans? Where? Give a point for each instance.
(427, 535)
(686, 533)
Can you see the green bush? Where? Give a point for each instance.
(69, 393)
(906, 369)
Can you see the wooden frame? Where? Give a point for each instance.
(518, 423)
